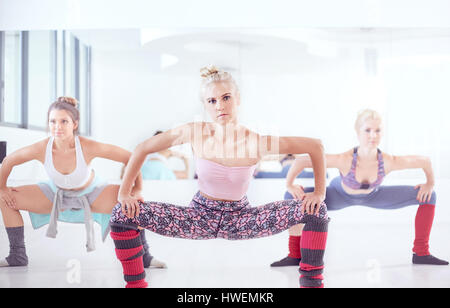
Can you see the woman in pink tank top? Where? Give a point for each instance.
(226, 156)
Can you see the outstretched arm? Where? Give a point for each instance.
(316, 159)
(16, 158)
(114, 153)
(302, 162)
(302, 145)
(299, 164)
(416, 162)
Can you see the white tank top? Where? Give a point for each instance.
(78, 178)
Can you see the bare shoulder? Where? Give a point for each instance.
(92, 148)
(388, 160)
(38, 148)
(87, 143)
(41, 145)
(387, 157)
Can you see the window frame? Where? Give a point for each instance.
(23, 49)
(25, 78)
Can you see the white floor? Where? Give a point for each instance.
(366, 248)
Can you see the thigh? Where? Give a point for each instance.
(288, 195)
(333, 199)
(264, 220)
(107, 199)
(31, 198)
(393, 197)
(172, 220)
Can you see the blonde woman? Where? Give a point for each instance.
(362, 170)
(226, 154)
(74, 190)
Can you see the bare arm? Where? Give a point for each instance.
(414, 162)
(114, 153)
(303, 145)
(16, 158)
(311, 202)
(302, 162)
(300, 145)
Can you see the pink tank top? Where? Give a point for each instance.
(222, 182)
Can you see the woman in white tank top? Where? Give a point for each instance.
(66, 158)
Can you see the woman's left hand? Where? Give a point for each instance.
(425, 191)
(311, 203)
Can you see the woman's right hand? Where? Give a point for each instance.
(7, 197)
(130, 205)
(297, 191)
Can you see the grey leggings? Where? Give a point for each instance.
(383, 197)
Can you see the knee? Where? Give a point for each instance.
(117, 215)
(4, 206)
(323, 211)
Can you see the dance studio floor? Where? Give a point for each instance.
(366, 248)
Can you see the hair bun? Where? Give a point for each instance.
(68, 100)
(209, 70)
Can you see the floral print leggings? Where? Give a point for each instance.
(208, 219)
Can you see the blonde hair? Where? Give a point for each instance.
(364, 115)
(210, 74)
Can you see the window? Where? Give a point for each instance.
(11, 111)
(84, 98)
(69, 64)
(41, 76)
(35, 68)
(59, 63)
